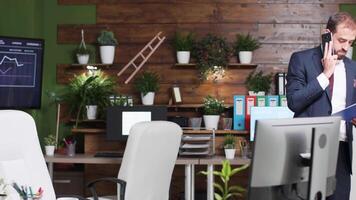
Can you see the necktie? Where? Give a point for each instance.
(331, 85)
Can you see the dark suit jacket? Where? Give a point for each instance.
(305, 96)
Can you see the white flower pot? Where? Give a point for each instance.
(349, 53)
(91, 111)
(230, 153)
(83, 58)
(148, 99)
(107, 54)
(260, 93)
(183, 57)
(211, 121)
(245, 57)
(49, 150)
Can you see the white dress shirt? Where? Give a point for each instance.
(338, 99)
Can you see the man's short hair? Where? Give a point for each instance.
(340, 18)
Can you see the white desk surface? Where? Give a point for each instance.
(90, 159)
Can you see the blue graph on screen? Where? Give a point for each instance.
(17, 69)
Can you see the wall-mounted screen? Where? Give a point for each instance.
(21, 68)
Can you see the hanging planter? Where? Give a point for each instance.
(82, 52)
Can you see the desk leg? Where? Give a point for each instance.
(189, 182)
(50, 169)
(210, 181)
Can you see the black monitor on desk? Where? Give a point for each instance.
(120, 119)
(292, 158)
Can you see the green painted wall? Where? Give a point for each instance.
(39, 19)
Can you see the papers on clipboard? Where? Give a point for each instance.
(348, 113)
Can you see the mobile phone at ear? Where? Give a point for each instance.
(325, 38)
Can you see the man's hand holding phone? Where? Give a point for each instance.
(329, 60)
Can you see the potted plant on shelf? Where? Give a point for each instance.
(82, 52)
(258, 84)
(183, 44)
(50, 144)
(147, 84)
(212, 56)
(107, 44)
(225, 191)
(91, 92)
(244, 46)
(212, 110)
(229, 146)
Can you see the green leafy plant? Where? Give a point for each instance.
(258, 82)
(211, 54)
(245, 43)
(213, 106)
(183, 42)
(147, 82)
(225, 191)
(89, 90)
(81, 50)
(229, 141)
(50, 140)
(107, 38)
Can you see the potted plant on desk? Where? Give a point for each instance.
(212, 110)
(50, 144)
(229, 146)
(224, 190)
(147, 84)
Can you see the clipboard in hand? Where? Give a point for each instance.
(348, 113)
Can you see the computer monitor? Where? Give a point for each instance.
(280, 168)
(267, 113)
(120, 119)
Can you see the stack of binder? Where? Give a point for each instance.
(197, 145)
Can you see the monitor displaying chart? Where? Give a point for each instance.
(20, 72)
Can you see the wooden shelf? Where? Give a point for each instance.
(185, 131)
(89, 121)
(230, 65)
(193, 106)
(88, 130)
(218, 132)
(84, 66)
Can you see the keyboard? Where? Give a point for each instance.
(109, 154)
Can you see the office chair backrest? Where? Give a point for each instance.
(21, 158)
(149, 159)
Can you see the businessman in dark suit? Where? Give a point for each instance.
(322, 81)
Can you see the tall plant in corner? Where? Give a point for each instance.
(225, 190)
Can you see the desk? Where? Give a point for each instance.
(188, 162)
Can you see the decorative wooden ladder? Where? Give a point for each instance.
(141, 55)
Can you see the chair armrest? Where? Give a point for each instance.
(71, 196)
(122, 183)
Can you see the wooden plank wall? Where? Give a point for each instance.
(282, 26)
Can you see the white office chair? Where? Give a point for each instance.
(148, 162)
(21, 158)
